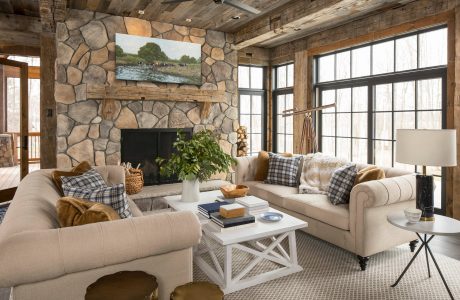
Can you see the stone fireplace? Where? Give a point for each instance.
(142, 146)
(86, 55)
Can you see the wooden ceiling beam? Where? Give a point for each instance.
(19, 50)
(19, 23)
(19, 35)
(302, 17)
(19, 38)
(6, 6)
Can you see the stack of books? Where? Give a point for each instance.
(207, 209)
(225, 224)
(253, 205)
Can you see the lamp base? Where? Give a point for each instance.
(425, 197)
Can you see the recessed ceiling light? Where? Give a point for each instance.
(141, 12)
(188, 20)
(236, 17)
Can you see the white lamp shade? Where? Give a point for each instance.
(427, 147)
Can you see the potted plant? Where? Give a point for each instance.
(195, 160)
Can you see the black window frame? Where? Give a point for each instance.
(256, 92)
(415, 75)
(277, 92)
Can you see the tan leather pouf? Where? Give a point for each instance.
(197, 291)
(126, 285)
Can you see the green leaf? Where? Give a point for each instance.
(199, 157)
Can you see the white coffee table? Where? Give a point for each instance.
(440, 226)
(247, 239)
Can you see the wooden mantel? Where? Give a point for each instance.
(102, 92)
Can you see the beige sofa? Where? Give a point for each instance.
(360, 227)
(42, 261)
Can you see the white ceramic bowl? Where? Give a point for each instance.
(413, 214)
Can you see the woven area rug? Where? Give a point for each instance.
(333, 273)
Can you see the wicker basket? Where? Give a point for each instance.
(134, 181)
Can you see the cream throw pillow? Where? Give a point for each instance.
(317, 171)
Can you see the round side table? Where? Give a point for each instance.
(440, 226)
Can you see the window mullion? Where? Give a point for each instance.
(393, 138)
(370, 124)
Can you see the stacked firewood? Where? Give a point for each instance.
(242, 141)
(129, 169)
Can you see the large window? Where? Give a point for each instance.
(398, 83)
(283, 79)
(252, 106)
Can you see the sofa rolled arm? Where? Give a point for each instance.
(45, 254)
(383, 192)
(245, 169)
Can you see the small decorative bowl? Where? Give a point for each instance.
(413, 214)
(234, 191)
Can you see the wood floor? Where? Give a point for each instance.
(9, 177)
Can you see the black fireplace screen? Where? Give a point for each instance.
(143, 146)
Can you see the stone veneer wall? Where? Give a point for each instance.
(86, 55)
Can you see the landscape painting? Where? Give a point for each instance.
(151, 59)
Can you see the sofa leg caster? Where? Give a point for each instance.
(363, 262)
(413, 245)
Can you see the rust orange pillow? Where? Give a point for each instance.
(75, 171)
(262, 165)
(369, 173)
(73, 212)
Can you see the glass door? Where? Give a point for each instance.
(14, 125)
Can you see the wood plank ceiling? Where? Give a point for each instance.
(20, 7)
(203, 13)
(280, 21)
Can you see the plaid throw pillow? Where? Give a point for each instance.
(113, 196)
(283, 170)
(342, 182)
(88, 180)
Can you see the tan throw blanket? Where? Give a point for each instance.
(317, 172)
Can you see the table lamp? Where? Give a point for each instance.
(426, 147)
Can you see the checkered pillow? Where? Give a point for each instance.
(342, 182)
(283, 170)
(113, 196)
(88, 180)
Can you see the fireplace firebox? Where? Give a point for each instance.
(143, 146)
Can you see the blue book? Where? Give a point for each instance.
(209, 208)
(229, 222)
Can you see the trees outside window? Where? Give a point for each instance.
(252, 106)
(397, 83)
(283, 99)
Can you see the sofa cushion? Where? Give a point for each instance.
(273, 193)
(74, 212)
(283, 170)
(262, 165)
(88, 180)
(369, 173)
(318, 206)
(77, 170)
(114, 196)
(342, 182)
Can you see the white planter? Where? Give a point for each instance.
(190, 190)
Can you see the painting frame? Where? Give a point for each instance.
(140, 58)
